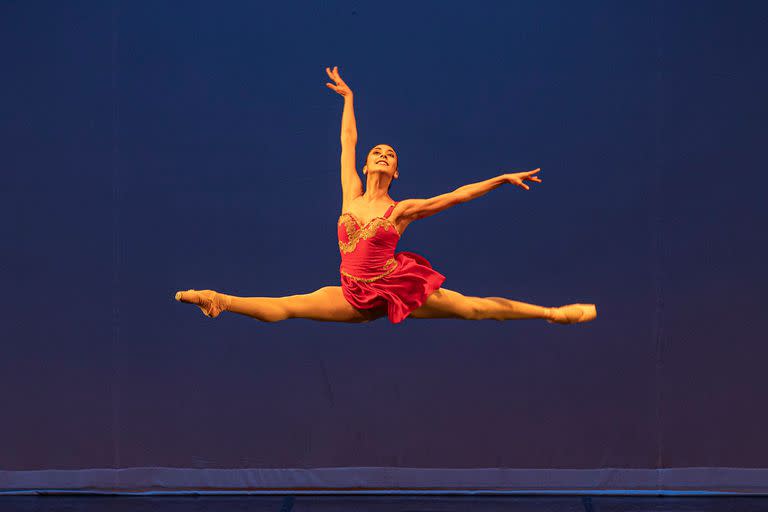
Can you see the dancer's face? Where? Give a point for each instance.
(382, 158)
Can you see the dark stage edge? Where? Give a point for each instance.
(293, 503)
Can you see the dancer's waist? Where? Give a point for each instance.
(365, 271)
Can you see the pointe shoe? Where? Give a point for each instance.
(209, 302)
(573, 314)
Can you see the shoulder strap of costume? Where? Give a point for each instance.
(389, 210)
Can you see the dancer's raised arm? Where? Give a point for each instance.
(412, 209)
(351, 186)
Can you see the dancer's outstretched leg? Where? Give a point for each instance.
(329, 305)
(326, 305)
(444, 303)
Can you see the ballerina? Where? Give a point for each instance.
(376, 281)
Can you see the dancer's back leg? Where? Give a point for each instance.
(326, 305)
(444, 303)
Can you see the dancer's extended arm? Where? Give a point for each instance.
(351, 186)
(412, 209)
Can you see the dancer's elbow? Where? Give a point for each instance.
(460, 196)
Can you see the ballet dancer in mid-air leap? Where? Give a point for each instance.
(376, 281)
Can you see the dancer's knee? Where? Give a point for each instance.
(325, 304)
(300, 306)
(276, 311)
(487, 308)
(463, 306)
(473, 309)
(445, 303)
(292, 306)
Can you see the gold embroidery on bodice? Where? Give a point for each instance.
(390, 265)
(355, 232)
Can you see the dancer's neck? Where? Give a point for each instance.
(376, 188)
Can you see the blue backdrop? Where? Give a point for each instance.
(149, 147)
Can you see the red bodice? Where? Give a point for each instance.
(367, 251)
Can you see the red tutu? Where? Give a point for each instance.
(372, 275)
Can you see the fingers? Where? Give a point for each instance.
(529, 175)
(333, 77)
(333, 73)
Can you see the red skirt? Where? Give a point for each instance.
(402, 291)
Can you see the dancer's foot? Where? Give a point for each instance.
(572, 314)
(210, 302)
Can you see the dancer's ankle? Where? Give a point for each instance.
(225, 301)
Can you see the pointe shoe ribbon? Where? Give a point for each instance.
(573, 314)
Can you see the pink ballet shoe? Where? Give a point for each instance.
(573, 314)
(209, 302)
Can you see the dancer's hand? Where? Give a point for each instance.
(340, 87)
(519, 177)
